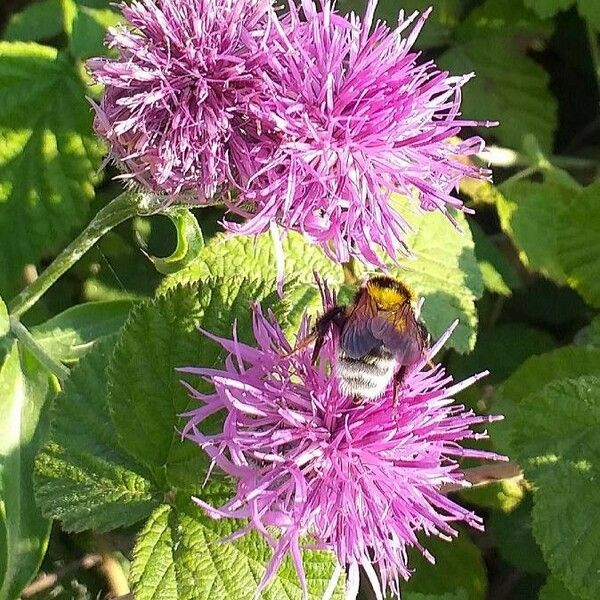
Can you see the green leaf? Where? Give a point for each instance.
(533, 375)
(4, 321)
(72, 333)
(438, 27)
(514, 539)
(501, 350)
(234, 257)
(462, 595)
(48, 155)
(89, 30)
(82, 476)
(579, 244)
(443, 271)
(179, 555)
(499, 275)
(189, 242)
(548, 8)
(243, 256)
(458, 569)
(517, 97)
(509, 18)
(531, 215)
(556, 440)
(503, 495)
(160, 336)
(588, 9)
(36, 22)
(555, 590)
(24, 533)
(589, 336)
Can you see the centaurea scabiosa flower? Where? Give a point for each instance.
(180, 104)
(359, 115)
(359, 479)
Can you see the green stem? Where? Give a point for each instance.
(123, 207)
(595, 52)
(522, 174)
(27, 340)
(498, 156)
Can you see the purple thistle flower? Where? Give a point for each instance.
(180, 101)
(358, 117)
(361, 480)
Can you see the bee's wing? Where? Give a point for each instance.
(356, 338)
(400, 333)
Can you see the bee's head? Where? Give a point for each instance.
(388, 293)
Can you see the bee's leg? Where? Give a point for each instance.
(397, 382)
(334, 316)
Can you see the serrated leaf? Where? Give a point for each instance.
(180, 556)
(555, 590)
(458, 569)
(555, 437)
(254, 258)
(225, 256)
(530, 214)
(517, 97)
(533, 375)
(72, 333)
(24, 533)
(36, 22)
(82, 476)
(89, 30)
(588, 9)
(514, 539)
(498, 274)
(443, 271)
(48, 155)
(579, 244)
(145, 388)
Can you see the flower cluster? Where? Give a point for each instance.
(180, 100)
(313, 118)
(362, 480)
(358, 117)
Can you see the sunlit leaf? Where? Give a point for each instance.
(48, 155)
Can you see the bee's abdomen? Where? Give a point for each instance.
(366, 377)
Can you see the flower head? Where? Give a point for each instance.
(180, 101)
(358, 116)
(362, 480)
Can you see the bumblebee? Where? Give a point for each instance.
(379, 338)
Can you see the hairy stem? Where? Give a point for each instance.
(123, 207)
(23, 335)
